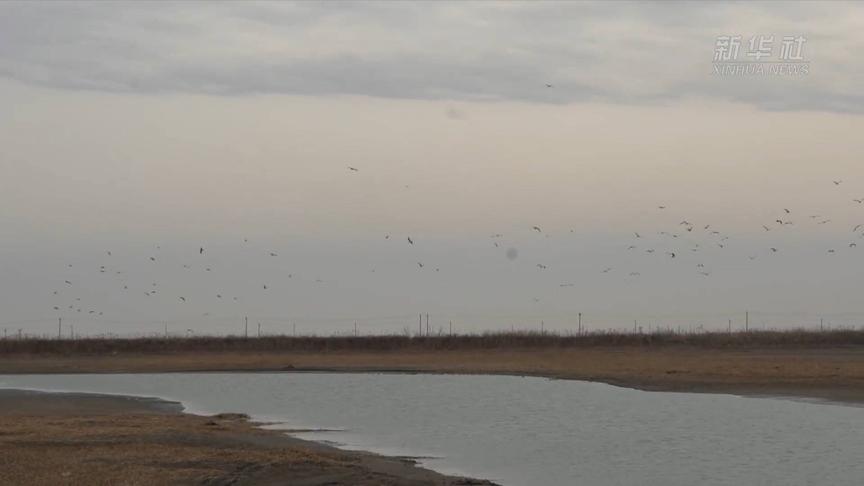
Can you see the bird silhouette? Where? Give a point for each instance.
(410, 241)
(537, 229)
(201, 250)
(353, 169)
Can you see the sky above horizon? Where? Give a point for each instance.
(152, 132)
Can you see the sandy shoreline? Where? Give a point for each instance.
(83, 438)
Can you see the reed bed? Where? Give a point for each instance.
(106, 345)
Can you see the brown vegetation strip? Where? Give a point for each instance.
(826, 365)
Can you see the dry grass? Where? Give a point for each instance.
(487, 341)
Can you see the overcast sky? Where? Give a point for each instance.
(155, 129)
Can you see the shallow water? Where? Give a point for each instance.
(528, 431)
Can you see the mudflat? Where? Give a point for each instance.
(821, 372)
(89, 439)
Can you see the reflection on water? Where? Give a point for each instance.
(528, 431)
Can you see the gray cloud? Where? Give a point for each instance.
(623, 53)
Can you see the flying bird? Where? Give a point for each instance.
(273, 254)
(353, 169)
(836, 183)
(410, 241)
(152, 259)
(537, 229)
(541, 266)
(183, 299)
(201, 250)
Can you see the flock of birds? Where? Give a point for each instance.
(685, 237)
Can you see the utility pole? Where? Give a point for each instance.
(821, 324)
(259, 329)
(746, 321)
(730, 326)
(634, 326)
(421, 325)
(451, 328)
(166, 329)
(542, 326)
(355, 328)
(246, 331)
(59, 327)
(580, 323)
(427, 324)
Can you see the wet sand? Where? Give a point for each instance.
(90, 439)
(824, 373)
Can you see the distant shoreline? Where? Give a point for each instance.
(830, 373)
(152, 439)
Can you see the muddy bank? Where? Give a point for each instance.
(90, 439)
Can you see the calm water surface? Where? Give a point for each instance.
(529, 431)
